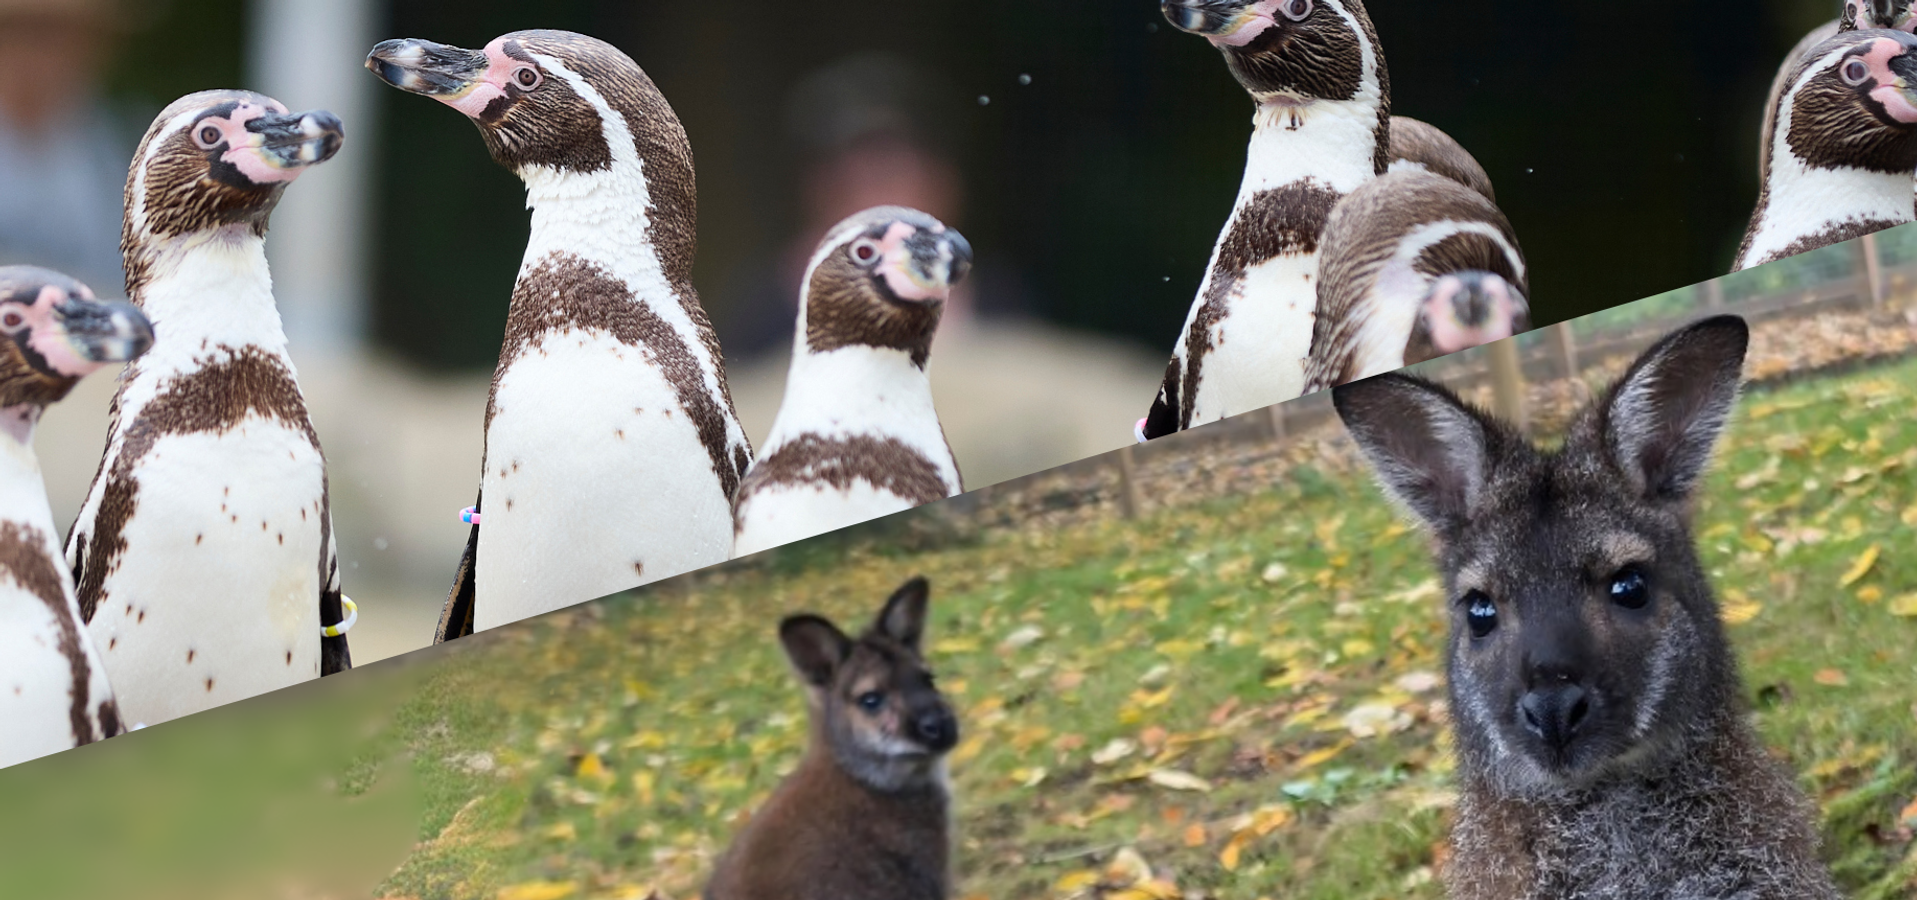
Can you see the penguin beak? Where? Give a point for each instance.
(928, 264)
(1208, 18)
(296, 140)
(103, 332)
(423, 67)
(1466, 309)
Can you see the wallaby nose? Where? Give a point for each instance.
(1554, 713)
(936, 729)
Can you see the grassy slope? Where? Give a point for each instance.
(1186, 690)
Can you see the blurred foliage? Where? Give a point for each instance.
(1239, 698)
(300, 793)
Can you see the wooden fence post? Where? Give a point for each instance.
(1127, 482)
(1275, 416)
(1507, 382)
(1713, 293)
(1873, 271)
(1567, 347)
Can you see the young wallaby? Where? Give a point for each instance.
(1601, 734)
(866, 816)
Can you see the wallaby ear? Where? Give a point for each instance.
(903, 618)
(1661, 420)
(1431, 452)
(815, 646)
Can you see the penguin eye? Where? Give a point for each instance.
(1629, 589)
(1854, 71)
(1295, 10)
(865, 250)
(1480, 613)
(870, 701)
(208, 137)
(12, 319)
(527, 77)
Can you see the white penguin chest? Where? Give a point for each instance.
(1259, 341)
(51, 682)
(597, 479)
(216, 596)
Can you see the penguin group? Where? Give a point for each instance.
(1360, 241)
(1837, 153)
(167, 598)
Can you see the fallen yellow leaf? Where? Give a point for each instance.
(1073, 882)
(1229, 856)
(562, 831)
(539, 890)
(1905, 606)
(1869, 593)
(1738, 608)
(1865, 562)
(1176, 780)
(1318, 756)
(1831, 678)
(1194, 834)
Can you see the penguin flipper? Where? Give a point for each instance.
(1164, 417)
(335, 656)
(456, 619)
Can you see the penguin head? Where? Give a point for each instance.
(221, 158)
(539, 98)
(1853, 103)
(881, 278)
(1297, 49)
(53, 332)
(1466, 309)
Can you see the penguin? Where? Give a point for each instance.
(1843, 151)
(1321, 129)
(1415, 265)
(856, 436)
(613, 452)
(54, 693)
(1419, 146)
(1856, 14)
(204, 554)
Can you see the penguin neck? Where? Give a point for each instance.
(23, 493)
(208, 290)
(855, 389)
(1802, 200)
(603, 217)
(1340, 143)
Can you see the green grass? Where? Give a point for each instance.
(1231, 641)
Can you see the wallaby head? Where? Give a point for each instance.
(1584, 637)
(873, 702)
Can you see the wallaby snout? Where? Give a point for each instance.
(1602, 749)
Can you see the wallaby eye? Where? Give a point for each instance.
(1480, 613)
(870, 701)
(1629, 589)
(1854, 71)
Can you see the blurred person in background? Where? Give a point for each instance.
(63, 154)
(1015, 395)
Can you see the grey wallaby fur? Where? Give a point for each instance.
(1603, 747)
(867, 814)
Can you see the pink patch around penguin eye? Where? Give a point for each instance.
(1890, 90)
(243, 146)
(895, 263)
(490, 86)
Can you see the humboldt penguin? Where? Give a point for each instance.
(1321, 128)
(1856, 14)
(53, 691)
(856, 436)
(1414, 266)
(612, 451)
(1843, 147)
(204, 555)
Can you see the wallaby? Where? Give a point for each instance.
(1600, 726)
(867, 814)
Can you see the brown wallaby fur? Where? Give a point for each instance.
(1602, 742)
(867, 815)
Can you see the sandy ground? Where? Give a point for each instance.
(403, 447)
